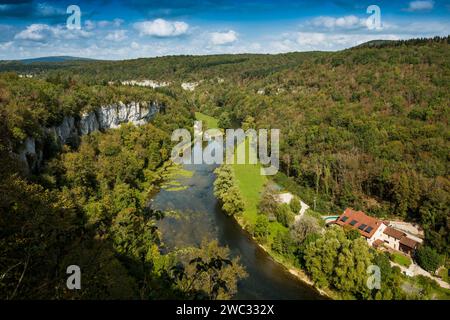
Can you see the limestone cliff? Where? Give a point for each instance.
(31, 153)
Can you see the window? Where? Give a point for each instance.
(368, 229)
(353, 222)
(344, 218)
(361, 227)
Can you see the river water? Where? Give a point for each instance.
(200, 217)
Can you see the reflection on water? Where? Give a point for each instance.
(199, 217)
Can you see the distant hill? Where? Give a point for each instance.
(375, 43)
(53, 59)
(393, 43)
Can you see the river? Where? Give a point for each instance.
(200, 217)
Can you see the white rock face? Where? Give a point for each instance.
(106, 117)
(189, 86)
(145, 83)
(112, 116)
(88, 123)
(28, 156)
(64, 131)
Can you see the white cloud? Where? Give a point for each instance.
(346, 22)
(6, 45)
(103, 23)
(116, 35)
(161, 28)
(308, 41)
(89, 25)
(311, 38)
(135, 45)
(118, 22)
(420, 5)
(221, 38)
(34, 32)
(42, 32)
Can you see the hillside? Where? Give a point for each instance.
(365, 127)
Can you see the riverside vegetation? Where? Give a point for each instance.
(365, 127)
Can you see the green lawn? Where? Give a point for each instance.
(401, 259)
(210, 122)
(251, 184)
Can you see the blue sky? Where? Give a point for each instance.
(137, 28)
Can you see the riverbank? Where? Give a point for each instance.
(298, 273)
(251, 184)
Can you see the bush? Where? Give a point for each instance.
(428, 258)
(226, 190)
(261, 230)
(353, 234)
(302, 228)
(283, 243)
(268, 205)
(295, 205)
(284, 215)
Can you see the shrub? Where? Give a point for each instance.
(261, 230)
(428, 258)
(295, 205)
(284, 215)
(226, 190)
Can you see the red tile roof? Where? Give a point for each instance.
(371, 224)
(410, 243)
(377, 243)
(394, 233)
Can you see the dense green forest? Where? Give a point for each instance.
(365, 127)
(88, 204)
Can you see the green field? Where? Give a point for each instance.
(208, 121)
(251, 184)
(249, 180)
(401, 259)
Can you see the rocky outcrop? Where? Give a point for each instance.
(189, 86)
(146, 83)
(31, 153)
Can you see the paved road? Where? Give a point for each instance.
(415, 270)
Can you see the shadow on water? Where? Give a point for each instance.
(199, 216)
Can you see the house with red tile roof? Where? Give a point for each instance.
(376, 232)
(369, 227)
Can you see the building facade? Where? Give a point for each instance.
(377, 232)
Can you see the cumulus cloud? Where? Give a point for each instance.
(135, 45)
(221, 38)
(308, 41)
(116, 35)
(42, 32)
(420, 5)
(161, 28)
(346, 22)
(34, 32)
(90, 25)
(6, 45)
(118, 22)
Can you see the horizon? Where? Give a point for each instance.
(78, 58)
(119, 30)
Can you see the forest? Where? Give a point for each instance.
(366, 127)
(88, 204)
